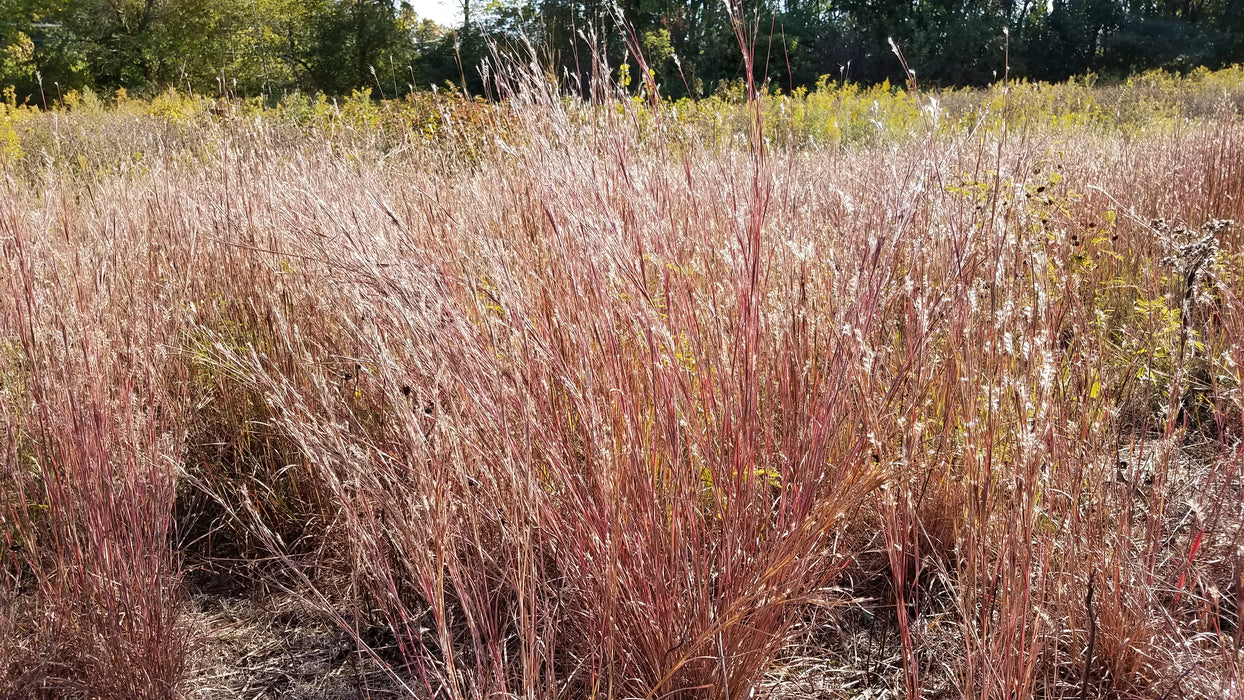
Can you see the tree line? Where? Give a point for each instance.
(271, 47)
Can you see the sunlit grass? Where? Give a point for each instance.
(575, 400)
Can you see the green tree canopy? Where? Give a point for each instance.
(270, 47)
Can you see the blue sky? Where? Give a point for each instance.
(445, 12)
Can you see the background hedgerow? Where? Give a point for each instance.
(608, 405)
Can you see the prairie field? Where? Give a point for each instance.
(858, 393)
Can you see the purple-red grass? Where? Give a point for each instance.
(600, 411)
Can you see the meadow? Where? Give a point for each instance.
(850, 393)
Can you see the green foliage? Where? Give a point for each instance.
(211, 46)
(273, 47)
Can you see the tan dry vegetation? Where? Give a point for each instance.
(590, 415)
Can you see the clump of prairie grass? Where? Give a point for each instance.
(603, 411)
(94, 430)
